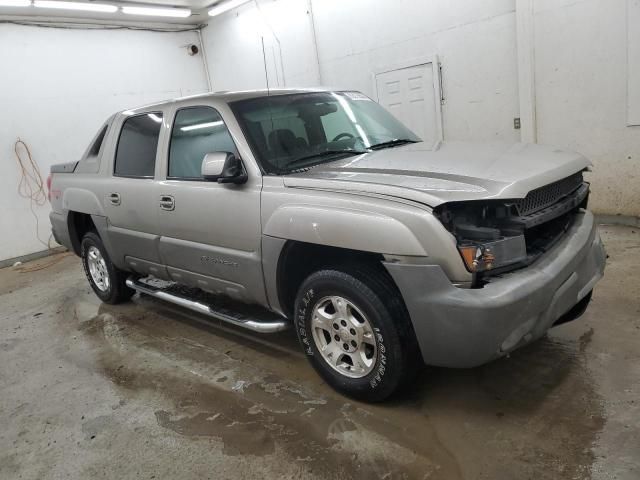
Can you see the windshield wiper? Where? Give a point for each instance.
(325, 153)
(392, 143)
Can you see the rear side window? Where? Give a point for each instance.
(196, 132)
(94, 148)
(137, 146)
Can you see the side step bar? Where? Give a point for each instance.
(271, 324)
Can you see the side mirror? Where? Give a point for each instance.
(223, 167)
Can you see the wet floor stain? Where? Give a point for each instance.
(334, 437)
(190, 384)
(534, 412)
(585, 339)
(238, 438)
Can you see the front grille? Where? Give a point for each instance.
(548, 195)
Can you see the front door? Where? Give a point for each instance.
(210, 232)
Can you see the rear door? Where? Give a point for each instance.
(130, 196)
(210, 232)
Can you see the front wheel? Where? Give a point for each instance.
(106, 280)
(356, 332)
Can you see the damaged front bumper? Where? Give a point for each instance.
(458, 327)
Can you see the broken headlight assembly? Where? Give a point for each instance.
(480, 257)
(485, 237)
(495, 236)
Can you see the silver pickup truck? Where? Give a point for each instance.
(319, 210)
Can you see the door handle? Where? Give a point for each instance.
(167, 202)
(114, 198)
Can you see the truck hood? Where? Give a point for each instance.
(453, 172)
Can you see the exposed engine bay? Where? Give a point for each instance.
(497, 236)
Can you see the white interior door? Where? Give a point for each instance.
(412, 94)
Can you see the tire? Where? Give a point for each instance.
(107, 281)
(371, 369)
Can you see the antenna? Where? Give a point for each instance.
(266, 75)
(264, 60)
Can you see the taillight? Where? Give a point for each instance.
(49, 187)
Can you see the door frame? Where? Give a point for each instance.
(437, 84)
(211, 265)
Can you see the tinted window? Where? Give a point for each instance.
(289, 132)
(94, 148)
(196, 132)
(136, 154)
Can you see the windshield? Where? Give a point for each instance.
(290, 132)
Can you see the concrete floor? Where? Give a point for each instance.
(146, 390)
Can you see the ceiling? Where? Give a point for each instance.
(199, 9)
(193, 4)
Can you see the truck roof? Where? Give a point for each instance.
(229, 96)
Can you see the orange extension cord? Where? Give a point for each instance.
(32, 188)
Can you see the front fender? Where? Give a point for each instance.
(344, 228)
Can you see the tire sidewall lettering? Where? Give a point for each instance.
(381, 368)
(301, 314)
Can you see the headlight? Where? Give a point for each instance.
(483, 256)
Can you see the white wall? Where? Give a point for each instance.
(581, 94)
(58, 86)
(476, 42)
(633, 62)
(234, 46)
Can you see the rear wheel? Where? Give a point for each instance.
(106, 280)
(356, 333)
